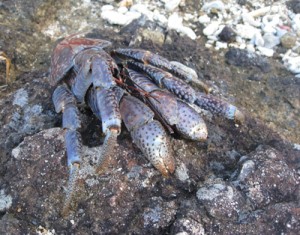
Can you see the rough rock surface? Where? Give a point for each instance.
(242, 180)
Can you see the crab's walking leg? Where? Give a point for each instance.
(103, 101)
(220, 107)
(178, 69)
(94, 101)
(187, 93)
(174, 111)
(65, 102)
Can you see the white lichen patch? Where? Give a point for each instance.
(43, 231)
(21, 98)
(210, 193)
(5, 201)
(16, 152)
(53, 132)
(182, 173)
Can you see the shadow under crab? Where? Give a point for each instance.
(109, 84)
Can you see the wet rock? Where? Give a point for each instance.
(243, 58)
(227, 34)
(288, 40)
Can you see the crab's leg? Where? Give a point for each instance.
(104, 103)
(111, 132)
(174, 111)
(187, 93)
(220, 107)
(65, 102)
(148, 134)
(166, 80)
(178, 69)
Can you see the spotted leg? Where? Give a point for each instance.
(219, 107)
(174, 111)
(103, 101)
(187, 93)
(148, 134)
(65, 102)
(178, 69)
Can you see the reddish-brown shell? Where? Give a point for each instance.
(65, 51)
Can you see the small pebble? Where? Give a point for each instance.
(221, 45)
(249, 19)
(269, 28)
(174, 21)
(292, 64)
(160, 18)
(211, 28)
(204, 19)
(258, 39)
(288, 40)
(122, 10)
(172, 5)
(270, 40)
(227, 34)
(217, 5)
(107, 8)
(266, 51)
(187, 31)
(246, 31)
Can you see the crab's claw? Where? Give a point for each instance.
(152, 139)
(148, 134)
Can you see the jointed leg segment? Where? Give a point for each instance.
(65, 102)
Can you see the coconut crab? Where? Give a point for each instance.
(110, 84)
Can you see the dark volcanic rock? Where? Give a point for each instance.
(266, 178)
(227, 34)
(243, 58)
(294, 5)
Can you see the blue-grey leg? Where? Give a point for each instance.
(219, 107)
(102, 99)
(174, 111)
(147, 57)
(65, 102)
(187, 93)
(111, 122)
